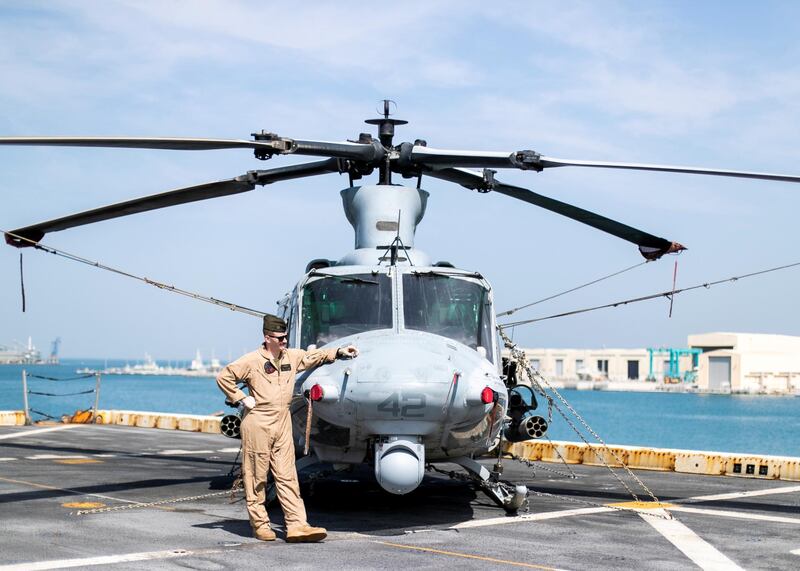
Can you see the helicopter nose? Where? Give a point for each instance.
(407, 358)
(416, 382)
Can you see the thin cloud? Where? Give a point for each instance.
(334, 36)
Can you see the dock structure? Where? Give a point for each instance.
(124, 496)
(766, 467)
(19, 355)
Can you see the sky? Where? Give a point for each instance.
(714, 84)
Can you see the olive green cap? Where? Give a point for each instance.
(274, 324)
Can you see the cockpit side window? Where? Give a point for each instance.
(449, 306)
(290, 315)
(337, 306)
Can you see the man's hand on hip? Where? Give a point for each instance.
(248, 403)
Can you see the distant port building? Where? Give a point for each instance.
(712, 362)
(30, 355)
(748, 362)
(17, 355)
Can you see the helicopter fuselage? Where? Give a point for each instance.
(426, 384)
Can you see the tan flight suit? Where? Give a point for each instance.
(267, 429)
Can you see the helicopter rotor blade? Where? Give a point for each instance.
(650, 246)
(550, 162)
(170, 143)
(269, 144)
(30, 235)
(531, 160)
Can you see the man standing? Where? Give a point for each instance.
(267, 444)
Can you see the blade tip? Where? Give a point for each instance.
(19, 239)
(652, 254)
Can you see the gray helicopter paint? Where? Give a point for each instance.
(410, 385)
(374, 212)
(411, 396)
(405, 383)
(417, 385)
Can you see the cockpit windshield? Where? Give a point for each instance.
(449, 306)
(340, 305)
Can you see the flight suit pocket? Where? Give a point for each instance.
(256, 433)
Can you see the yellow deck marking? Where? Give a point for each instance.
(78, 461)
(468, 556)
(640, 505)
(83, 505)
(76, 492)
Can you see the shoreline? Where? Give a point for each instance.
(656, 387)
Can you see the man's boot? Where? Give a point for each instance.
(305, 534)
(264, 533)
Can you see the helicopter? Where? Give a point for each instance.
(429, 385)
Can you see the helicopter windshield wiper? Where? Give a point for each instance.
(346, 279)
(442, 274)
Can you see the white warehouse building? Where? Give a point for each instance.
(602, 364)
(748, 362)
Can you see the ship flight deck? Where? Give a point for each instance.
(126, 477)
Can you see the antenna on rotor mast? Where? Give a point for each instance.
(386, 134)
(397, 244)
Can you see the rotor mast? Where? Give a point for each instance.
(386, 135)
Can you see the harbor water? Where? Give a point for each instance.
(723, 423)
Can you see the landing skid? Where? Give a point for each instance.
(508, 496)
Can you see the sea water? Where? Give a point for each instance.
(721, 423)
(194, 395)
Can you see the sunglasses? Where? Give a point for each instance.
(278, 338)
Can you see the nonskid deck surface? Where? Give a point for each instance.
(48, 473)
